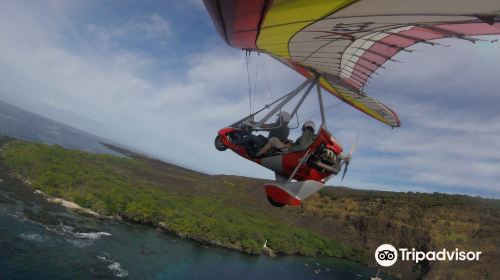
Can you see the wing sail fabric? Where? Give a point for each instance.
(346, 41)
(351, 95)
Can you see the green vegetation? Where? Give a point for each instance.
(130, 188)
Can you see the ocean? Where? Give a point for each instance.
(42, 240)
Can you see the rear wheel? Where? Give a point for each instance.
(274, 203)
(219, 145)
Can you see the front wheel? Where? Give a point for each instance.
(219, 145)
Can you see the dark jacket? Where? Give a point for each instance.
(280, 132)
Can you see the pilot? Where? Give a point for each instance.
(278, 133)
(279, 130)
(242, 138)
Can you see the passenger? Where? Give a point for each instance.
(306, 139)
(278, 136)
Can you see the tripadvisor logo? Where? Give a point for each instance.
(387, 255)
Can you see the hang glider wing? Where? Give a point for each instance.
(346, 41)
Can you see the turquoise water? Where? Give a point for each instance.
(41, 241)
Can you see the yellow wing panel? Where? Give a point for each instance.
(363, 103)
(285, 18)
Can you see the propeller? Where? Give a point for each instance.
(348, 157)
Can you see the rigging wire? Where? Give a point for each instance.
(329, 107)
(253, 69)
(247, 58)
(267, 80)
(252, 85)
(255, 80)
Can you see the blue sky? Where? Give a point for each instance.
(156, 76)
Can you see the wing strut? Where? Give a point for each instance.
(284, 99)
(321, 108)
(278, 107)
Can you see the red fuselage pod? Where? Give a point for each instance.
(285, 164)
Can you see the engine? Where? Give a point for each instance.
(324, 159)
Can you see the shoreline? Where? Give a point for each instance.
(72, 206)
(68, 204)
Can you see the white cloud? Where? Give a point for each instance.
(152, 28)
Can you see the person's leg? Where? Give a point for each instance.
(272, 143)
(255, 141)
(252, 144)
(264, 149)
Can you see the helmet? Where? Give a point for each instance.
(309, 124)
(247, 123)
(247, 126)
(285, 116)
